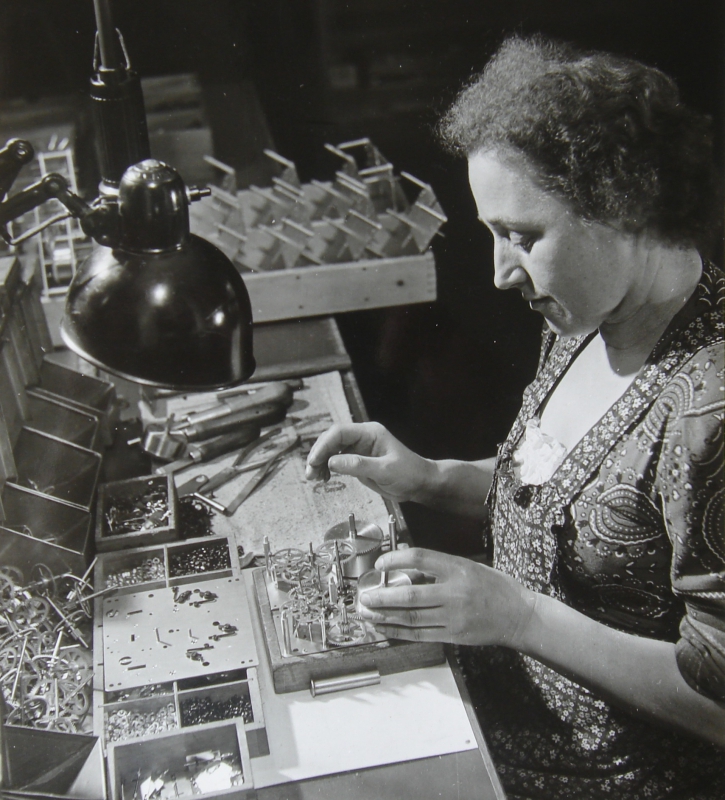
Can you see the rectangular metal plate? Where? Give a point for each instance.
(149, 638)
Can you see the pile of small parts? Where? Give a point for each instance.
(45, 659)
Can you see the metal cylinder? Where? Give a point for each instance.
(355, 681)
(366, 540)
(379, 580)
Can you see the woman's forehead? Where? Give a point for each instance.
(507, 187)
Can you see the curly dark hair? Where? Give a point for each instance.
(607, 133)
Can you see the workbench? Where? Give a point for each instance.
(303, 348)
(414, 734)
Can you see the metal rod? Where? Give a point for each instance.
(106, 35)
(355, 681)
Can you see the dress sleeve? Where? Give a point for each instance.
(691, 481)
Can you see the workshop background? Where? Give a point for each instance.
(446, 378)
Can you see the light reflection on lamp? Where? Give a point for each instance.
(162, 307)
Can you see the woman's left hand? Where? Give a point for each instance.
(469, 603)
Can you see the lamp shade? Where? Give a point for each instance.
(164, 307)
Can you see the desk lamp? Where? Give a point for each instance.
(153, 303)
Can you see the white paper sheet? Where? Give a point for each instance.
(410, 715)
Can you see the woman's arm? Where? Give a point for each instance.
(473, 604)
(377, 459)
(634, 672)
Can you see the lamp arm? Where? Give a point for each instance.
(99, 220)
(13, 157)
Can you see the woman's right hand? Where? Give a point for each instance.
(370, 453)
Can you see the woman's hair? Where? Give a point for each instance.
(607, 133)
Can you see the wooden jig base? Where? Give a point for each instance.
(294, 673)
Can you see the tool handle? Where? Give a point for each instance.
(229, 473)
(259, 477)
(211, 448)
(263, 415)
(278, 393)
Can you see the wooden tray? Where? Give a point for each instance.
(294, 673)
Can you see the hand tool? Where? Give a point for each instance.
(226, 443)
(191, 486)
(275, 393)
(205, 451)
(229, 473)
(251, 485)
(262, 415)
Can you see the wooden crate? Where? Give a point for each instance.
(336, 288)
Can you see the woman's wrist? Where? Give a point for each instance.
(429, 484)
(459, 487)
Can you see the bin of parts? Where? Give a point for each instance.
(138, 512)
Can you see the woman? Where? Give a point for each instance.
(597, 641)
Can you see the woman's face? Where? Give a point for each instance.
(577, 274)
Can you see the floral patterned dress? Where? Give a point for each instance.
(629, 530)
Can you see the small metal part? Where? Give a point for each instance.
(206, 646)
(160, 641)
(366, 540)
(393, 532)
(209, 501)
(332, 587)
(375, 580)
(338, 565)
(286, 621)
(191, 486)
(215, 637)
(355, 681)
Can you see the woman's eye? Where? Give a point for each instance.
(524, 241)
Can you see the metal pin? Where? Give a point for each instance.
(69, 625)
(209, 501)
(393, 532)
(338, 565)
(351, 524)
(286, 634)
(17, 673)
(332, 587)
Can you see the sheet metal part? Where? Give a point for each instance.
(152, 630)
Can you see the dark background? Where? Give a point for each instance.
(445, 378)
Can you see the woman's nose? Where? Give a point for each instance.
(509, 272)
